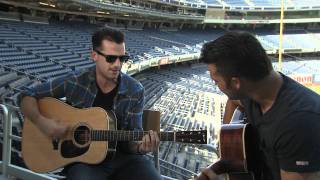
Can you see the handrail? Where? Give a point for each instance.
(5, 155)
(6, 167)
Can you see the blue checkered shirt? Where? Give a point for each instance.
(80, 89)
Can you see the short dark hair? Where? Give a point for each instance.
(237, 54)
(106, 34)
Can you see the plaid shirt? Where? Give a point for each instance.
(80, 90)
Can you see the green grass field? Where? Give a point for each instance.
(315, 88)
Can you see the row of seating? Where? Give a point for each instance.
(28, 58)
(253, 3)
(175, 93)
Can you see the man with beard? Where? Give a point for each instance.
(101, 86)
(284, 114)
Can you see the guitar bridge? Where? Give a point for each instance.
(55, 144)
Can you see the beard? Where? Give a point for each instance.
(108, 75)
(111, 76)
(233, 94)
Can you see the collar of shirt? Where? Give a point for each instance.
(122, 79)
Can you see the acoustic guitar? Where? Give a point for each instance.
(93, 135)
(238, 152)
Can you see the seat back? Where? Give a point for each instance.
(151, 120)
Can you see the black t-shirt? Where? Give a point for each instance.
(289, 133)
(103, 100)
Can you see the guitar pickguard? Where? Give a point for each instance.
(69, 150)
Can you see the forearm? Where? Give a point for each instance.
(228, 113)
(299, 176)
(30, 108)
(49, 127)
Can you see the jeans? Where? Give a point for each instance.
(122, 167)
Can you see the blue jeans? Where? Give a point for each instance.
(122, 167)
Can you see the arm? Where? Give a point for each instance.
(151, 140)
(207, 174)
(297, 146)
(285, 175)
(52, 128)
(30, 108)
(231, 106)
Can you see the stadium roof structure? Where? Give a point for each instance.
(295, 4)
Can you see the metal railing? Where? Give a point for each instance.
(10, 170)
(7, 168)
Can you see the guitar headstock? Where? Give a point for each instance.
(195, 137)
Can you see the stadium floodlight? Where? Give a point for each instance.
(102, 12)
(45, 4)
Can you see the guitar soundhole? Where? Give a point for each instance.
(82, 135)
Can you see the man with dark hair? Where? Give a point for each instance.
(284, 114)
(101, 86)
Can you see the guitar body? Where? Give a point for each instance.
(92, 135)
(42, 154)
(237, 148)
(238, 152)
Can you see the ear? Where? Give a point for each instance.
(94, 56)
(235, 83)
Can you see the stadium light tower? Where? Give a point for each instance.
(281, 36)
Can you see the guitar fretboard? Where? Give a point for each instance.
(102, 135)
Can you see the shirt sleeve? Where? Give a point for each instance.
(136, 111)
(54, 88)
(134, 118)
(297, 142)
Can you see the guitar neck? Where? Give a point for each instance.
(110, 135)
